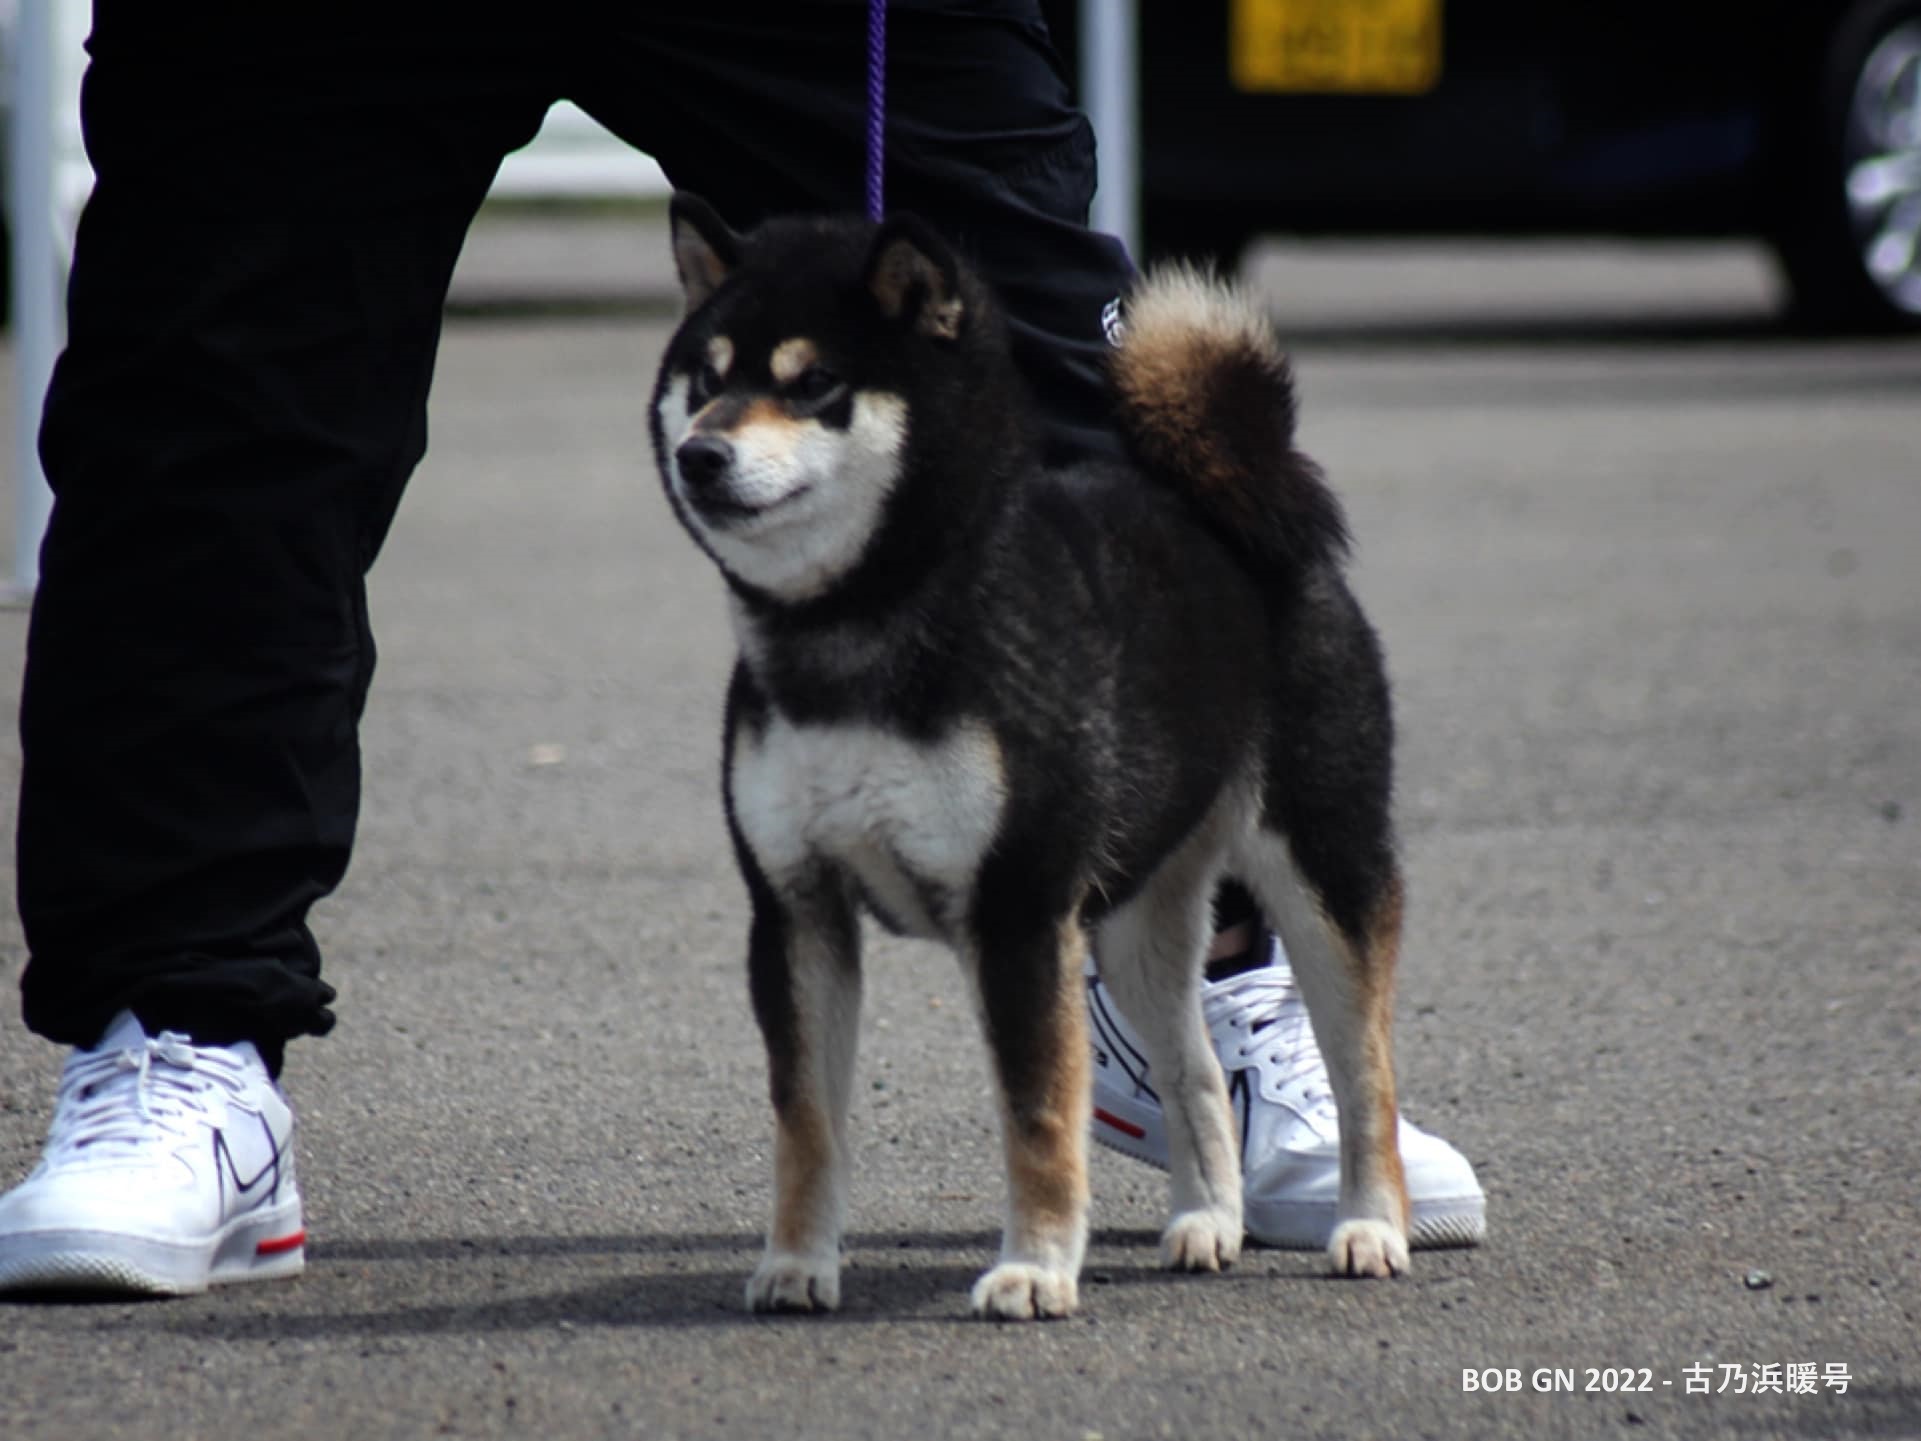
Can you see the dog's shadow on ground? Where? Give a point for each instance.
(433, 1287)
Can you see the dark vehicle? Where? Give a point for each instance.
(1796, 121)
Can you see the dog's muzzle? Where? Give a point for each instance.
(704, 462)
(707, 479)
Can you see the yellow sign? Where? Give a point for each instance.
(1337, 47)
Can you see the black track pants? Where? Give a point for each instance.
(254, 310)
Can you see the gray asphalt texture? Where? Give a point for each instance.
(1649, 580)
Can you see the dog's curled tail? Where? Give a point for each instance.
(1207, 399)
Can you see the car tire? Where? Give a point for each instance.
(1853, 173)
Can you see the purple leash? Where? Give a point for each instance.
(876, 103)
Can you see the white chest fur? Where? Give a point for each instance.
(911, 820)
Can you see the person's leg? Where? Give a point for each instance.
(254, 307)
(253, 313)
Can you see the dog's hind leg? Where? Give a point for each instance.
(1151, 952)
(1345, 968)
(804, 969)
(1027, 970)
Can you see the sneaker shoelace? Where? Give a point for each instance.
(1259, 1018)
(112, 1103)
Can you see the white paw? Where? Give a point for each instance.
(791, 1282)
(1201, 1241)
(1367, 1248)
(1022, 1291)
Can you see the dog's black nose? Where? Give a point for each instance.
(704, 461)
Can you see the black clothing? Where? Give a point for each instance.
(255, 304)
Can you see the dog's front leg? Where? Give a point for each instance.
(1030, 999)
(804, 969)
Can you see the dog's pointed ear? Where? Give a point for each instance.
(705, 250)
(914, 277)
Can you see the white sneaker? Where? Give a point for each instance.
(169, 1167)
(1284, 1108)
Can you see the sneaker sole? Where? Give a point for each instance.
(1443, 1224)
(1438, 1223)
(262, 1246)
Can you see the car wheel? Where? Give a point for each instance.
(1852, 247)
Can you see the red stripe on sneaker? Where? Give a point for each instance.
(1126, 1128)
(280, 1245)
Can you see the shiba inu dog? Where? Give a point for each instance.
(1013, 709)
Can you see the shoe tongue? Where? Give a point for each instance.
(124, 1033)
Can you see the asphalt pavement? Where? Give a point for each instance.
(1648, 576)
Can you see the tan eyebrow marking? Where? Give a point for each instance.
(720, 354)
(791, 359)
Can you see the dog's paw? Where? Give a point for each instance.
(790, 1282)
(1201, 1241)
(1022, 1291)
(1367, 1248)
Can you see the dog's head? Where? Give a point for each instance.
(782, 416)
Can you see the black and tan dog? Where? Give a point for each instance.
(1009, 708)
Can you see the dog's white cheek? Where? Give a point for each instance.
(851, 472)
(855, 471)
(878, 436)
(771, 462)
(671, 412)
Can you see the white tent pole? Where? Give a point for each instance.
(36, 280)
(1110, 89)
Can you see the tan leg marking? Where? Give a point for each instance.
(1045, 1137)
(800, 1270)
(1371, 1239)
(1349, 991)
(803, 1164)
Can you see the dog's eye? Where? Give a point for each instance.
(706, 384)
(815, 384)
